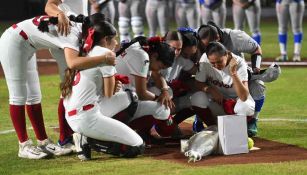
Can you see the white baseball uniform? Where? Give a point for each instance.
(213, 10)
(83, 112)
(187, 13)
(18, 44)
(135, 62)
(69, 7)
(222, 80)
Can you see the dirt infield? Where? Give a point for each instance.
(270, 152)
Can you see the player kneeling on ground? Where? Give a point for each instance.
(82, 91)
(223, 87)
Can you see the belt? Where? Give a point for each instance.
(21, 33)
(84, 108)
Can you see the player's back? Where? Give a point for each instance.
(51, 39)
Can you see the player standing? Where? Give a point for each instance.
(295, 10)
(187, 13)
(105, 7)
(213, 10)
(157, 14)
(250, 9)
(130, 10)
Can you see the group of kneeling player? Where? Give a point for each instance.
(113, 97)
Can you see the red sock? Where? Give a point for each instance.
(19, 121)
(36, 117)
(163, 129)
(206, 115)
(65, 130)
(143, 124)
(183, 114)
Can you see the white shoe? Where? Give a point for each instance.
(69, 146)
(29, 151)
(50, 148)
(296, 57)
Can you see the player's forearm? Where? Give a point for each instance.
(51, 7)
(85, 62)
(159, 80)
(109, 86)
(240, 88)
(145, 95)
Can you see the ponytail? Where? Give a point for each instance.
(140, 39)
(43, 24)
(66, 86)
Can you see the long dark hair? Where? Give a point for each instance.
(218, 49)
(166, 54)
(101, 29)
(172, 36)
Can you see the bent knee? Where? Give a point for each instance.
(200, 99)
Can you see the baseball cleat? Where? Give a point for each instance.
(296, 57)
(68, 144)
(29, 151)
(82, 147)
(49, 147)
(282, 58)
(198, 125)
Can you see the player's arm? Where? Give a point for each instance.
(164, 97)
(193, 70)
(74, 61)
(216, 95)
(109, 86)
(52, 9)
(241, 87)
(141, 89)
(256, 59)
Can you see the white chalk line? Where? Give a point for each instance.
(260, 120)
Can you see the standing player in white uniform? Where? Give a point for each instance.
(252, 10)
(105, 7)
(157, 15)
(213, 10)
(138, 64)
(130, 9)
(187, 13)
(18, 44)
(295, 10)
(82, 91)
(222, 77)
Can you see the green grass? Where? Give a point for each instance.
(269, 30)
(285, 99)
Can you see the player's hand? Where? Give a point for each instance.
(118, 86)
(233, 64)
(63, 24)
(256, 70)
(110, 58)
(166, 99)
(216, 96)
